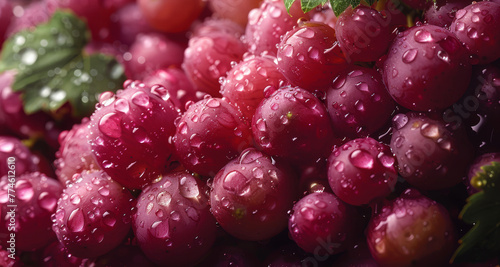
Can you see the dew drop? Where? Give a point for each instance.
(423, 36)
(410, 55)
(24, 190)
(103, 191)
(141, 99)
(430, 130)
(160, 229)
(109, 125)
(47, 201)
(108, 219)
(193, 214)
(163, 199)
(361, 159)
(76, 221)
(121, 105)
(75, 199)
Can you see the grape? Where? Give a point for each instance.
(32, 15)
(325, 15)
(268, 23)
(130, 131)
(363, 33)
(171, 15)
(173, 224)
(128, 22)
(5, 18)
(251, 195)
(75, 154)
(426, 68)
(443, 12)
(293, 124)
(248, 82)
(209, 134)
(361, 171)
(24, 160)
(124, 256)
(6, 261)
(429, 156)
(153, 51)
(92, 11)
(486, 85)
(322, 224)
(176, 83)
(477, 26)
(208, 57)
(13, 116)
(235, 10)
(309, 56)
(411, 230)
(93, 215)
(56, 255)
(35, 196)
(358, 102)
(214, 25)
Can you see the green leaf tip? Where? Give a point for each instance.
(52, 68)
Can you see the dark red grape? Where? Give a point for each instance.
(268, 23)
(6, 16)
(358, 102)
(209, 134)
(361, 171)
(35, 196)
(426, 68)
(128, 22)
(251, 195)
(214, 25)
(235, 10)
(478, 27)
(309, 56)
(173, 223)
(208, 57)
(443, 12)
(171, 15)
(75, 154)
(248, 82)
(92, 11)
(293, 124)
(13, 148)
(151, 52)
(177, 84)
(56, 255)
(411, 230)
(322, 224)
(93, 215)
(429, 156)
(129, 133)
(364, 34)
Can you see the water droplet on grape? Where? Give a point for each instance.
(109, 125)
(47, 201)
(160, 229)
(76, 221)
(24, 190)
(163, 199)
(108, 219)
(361, 159)
(410, 55)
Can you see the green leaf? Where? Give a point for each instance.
(53, 70)
(339, 6)
(482, 242)
(306, 5)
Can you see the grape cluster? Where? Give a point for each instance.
(252, 133)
